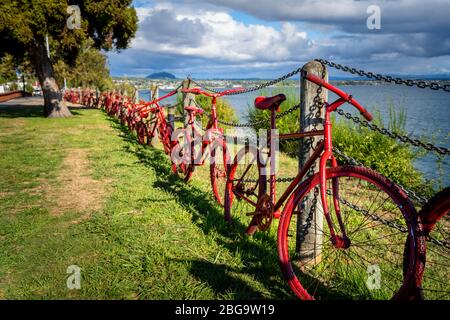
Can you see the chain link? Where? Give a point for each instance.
(413, 195)
(410, 83)
(255, 88)
(394, 135)
(253, 123)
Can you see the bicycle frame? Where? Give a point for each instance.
(212, 123)
(324, 151)
(165, 129)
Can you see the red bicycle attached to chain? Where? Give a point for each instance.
(342, 231)
(192, 144)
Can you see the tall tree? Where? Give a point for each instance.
(7, 69)
(25, 25)
(90, 69)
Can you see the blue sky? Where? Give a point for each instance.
(267, 38)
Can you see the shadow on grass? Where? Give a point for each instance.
(25, 110)
(258, 253)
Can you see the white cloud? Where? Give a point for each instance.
(216, 35)
(203, 36)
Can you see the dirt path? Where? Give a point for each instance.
(76, 190)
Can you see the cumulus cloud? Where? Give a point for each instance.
(216, 35)
(183, 35)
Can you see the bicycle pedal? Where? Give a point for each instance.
(277, 214)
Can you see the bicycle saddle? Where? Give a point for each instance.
(274, 102)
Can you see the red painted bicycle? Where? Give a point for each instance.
(342, 231)
(192, 144)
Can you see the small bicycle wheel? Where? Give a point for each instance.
(245, 186)
(373, 261)
(435, 217)
(153, 135)
(141, 132)
(182, 155)
(218, 169)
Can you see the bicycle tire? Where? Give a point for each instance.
(218, 171)
(321, 275)
(435, 216)
(245, 167)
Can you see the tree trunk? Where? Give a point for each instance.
(54, 105)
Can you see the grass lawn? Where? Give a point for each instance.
(81, 191)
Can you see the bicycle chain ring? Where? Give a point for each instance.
(264, 212)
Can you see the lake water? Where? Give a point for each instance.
(427, 115)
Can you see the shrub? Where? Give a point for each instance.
(224, 109)
(286, 124)
(391, 158)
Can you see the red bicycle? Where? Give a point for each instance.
(192, 144)
(342, 231)
(151, 124)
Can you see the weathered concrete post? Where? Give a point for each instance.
(188, 98)
(136, 95)
(155, 92)
(312, 115)
(171, 116)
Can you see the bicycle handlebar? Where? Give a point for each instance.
(319, 81)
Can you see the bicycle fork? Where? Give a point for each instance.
(339, 241)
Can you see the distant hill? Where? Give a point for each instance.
(161, 75)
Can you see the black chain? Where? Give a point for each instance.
(395, 135)
(255, 88)
(413, 195)
(389, 223)
(410, 83)
(254, 123)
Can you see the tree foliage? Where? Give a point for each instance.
(89, 70)
(25, 24)
(7, 69)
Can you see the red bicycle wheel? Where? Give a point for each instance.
(435, 217)
(377, 218)
(182, 155)
(142, 132)
(218, 169)
(246, 185)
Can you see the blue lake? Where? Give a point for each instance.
(427, 115)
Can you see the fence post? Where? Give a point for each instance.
(136, 95)
(171, 116)
(188, 98)
(311, 118)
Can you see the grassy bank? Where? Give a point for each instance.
(80, 192)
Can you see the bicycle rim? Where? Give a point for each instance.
(218, 171)
(243, 180)
(376, 265)
(436, 218)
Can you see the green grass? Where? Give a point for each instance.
(154, 238)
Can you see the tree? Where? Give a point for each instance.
(90, 69)
(7, 69)
(24, 26)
